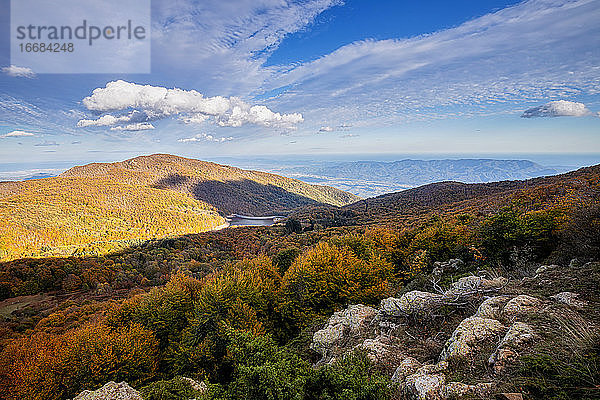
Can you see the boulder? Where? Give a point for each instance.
(519, 335)
(492, 307)
(477, 283)
(469, 334)
(570, 299)
(456, 390)
(520, 306)
(407, 367)
(111, 391)
(341, 325)
(376, 348)
(415, 302)
(197, 386)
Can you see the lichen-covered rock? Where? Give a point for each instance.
(407, 367)
(456, 390)
(111, 391)
(519, 335)
(492, 307)
(377, 348)
(520, 306)
(477, 283)
(415, 302)
(342, 324)
(469, 334)
(570, 299)
(424, 386)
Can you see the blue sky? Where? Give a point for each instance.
(323, 76)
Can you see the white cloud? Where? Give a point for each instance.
(140, 126)
(204, 137)
(18, 72)
(559, 108)
(155, 102)
(326, 129)
(16, 134)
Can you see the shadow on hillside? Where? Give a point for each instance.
(238, 196)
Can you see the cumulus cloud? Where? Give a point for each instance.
(140, 126)
(18, 72)
(326, 129)
(204, 137)
(16, 134)
(559, 108)
(156, 102)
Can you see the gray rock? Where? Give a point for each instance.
(570, 299)
(469, 334)
(519, 336)
(342, 324)
(492, 307)
(457, 390)
(520, 306)
(407, 367)
(376, 348)
(111, 391)
(198, 386)
(415, 302)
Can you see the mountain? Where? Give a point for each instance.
(446, 196)
(371, 178)
(229, 189)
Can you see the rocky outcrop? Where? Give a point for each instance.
(345, 324)
(200, 387)
(519, 335)
(469, 335)
(492, 307)
(411, 303)
(111, 391)
(520, 306)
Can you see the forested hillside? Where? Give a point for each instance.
(486, 289)
(229, 189)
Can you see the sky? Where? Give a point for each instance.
(277, 77)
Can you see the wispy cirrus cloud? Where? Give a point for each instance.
(499, 60)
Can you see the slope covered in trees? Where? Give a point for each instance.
(229, 189)
(59, 216)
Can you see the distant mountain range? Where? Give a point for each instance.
(372, 178)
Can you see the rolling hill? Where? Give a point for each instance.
(229, 189)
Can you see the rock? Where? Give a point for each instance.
(476, 283)
(492, 307)
(545, 268)
(570, 299)
(111, 391)
(424, 386)
(518, 336)
(407, 367)
(454, 390)
(376, 348)
(415, 302)
(197, 386)
(469, 334)
(519, 306)
(575, 263)
(342, 324)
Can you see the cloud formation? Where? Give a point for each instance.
(16, 134)
(47, 143)
(204, 137)
(140, 126)
(18, 72)
(150, 103)
(559, 108)
(326, 129)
